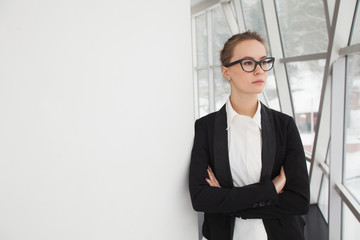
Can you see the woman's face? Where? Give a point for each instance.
(246, 82)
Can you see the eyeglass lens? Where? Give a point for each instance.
(249, 65)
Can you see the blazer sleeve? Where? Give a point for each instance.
(221, 200)
(294, 200)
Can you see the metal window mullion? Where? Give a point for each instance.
(327, 16)
(330, 7)
(239, 15)
(321, 143)
(195, 70)
(338, 37)
(210, 61)
(309, 57)
(273, 32)
(324, 168)
(204, 6)
(349, 200)
(355, 19)
(352, 49)
(200, 68)
(230, 18)
(337, 147)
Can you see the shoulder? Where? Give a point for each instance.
(207, 118)
(277, 116)
(210, 119)
(283, 124)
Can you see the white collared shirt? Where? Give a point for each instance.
(244, 143)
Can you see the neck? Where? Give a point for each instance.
(244, 105)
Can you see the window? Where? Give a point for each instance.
(303, 31)
(352, 131)
(211, 32)
(254, 20)
(356, 28)
(350, 225)
(302, 26)
(301, 56)
(323, 202)
(305, 79)
(221, 33)
(202, 64)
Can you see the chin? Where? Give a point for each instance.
(260, 90)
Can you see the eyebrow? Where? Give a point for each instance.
(247, 57)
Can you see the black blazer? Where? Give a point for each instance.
(281, 146)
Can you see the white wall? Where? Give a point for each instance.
(96, 119)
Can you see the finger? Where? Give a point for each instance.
(211, 183)
(211, 174)
(217, 183)
(213, 178)
(282, 172)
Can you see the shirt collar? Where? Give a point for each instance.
(231, 113)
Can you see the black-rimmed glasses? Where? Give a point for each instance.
(249, 65)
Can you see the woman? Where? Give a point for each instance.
(248, 172)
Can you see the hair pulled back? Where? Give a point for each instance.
(227, 52)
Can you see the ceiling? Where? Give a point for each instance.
(195, 2)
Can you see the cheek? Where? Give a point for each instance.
(238, 73)
(239, 81)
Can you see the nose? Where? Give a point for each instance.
(258, 70)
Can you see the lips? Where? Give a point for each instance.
(258, 81)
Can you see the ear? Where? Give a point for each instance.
(225, 72)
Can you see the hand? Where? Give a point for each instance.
(212, 181)
(279, 181)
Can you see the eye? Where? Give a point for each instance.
(247, 63)
(266, 61)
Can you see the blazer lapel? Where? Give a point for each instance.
(221, 154)
(268, 142)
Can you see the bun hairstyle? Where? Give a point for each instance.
(227, 52)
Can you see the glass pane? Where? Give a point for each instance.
(203, 86)
(254, 17)
(201, 41)
(352, 154)
(221, 33)
(302, 26)
(356, 28)
(305, 79)
(222, 88)
(324, 197)
(254, 20)
(350, 225)
(270, 92)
